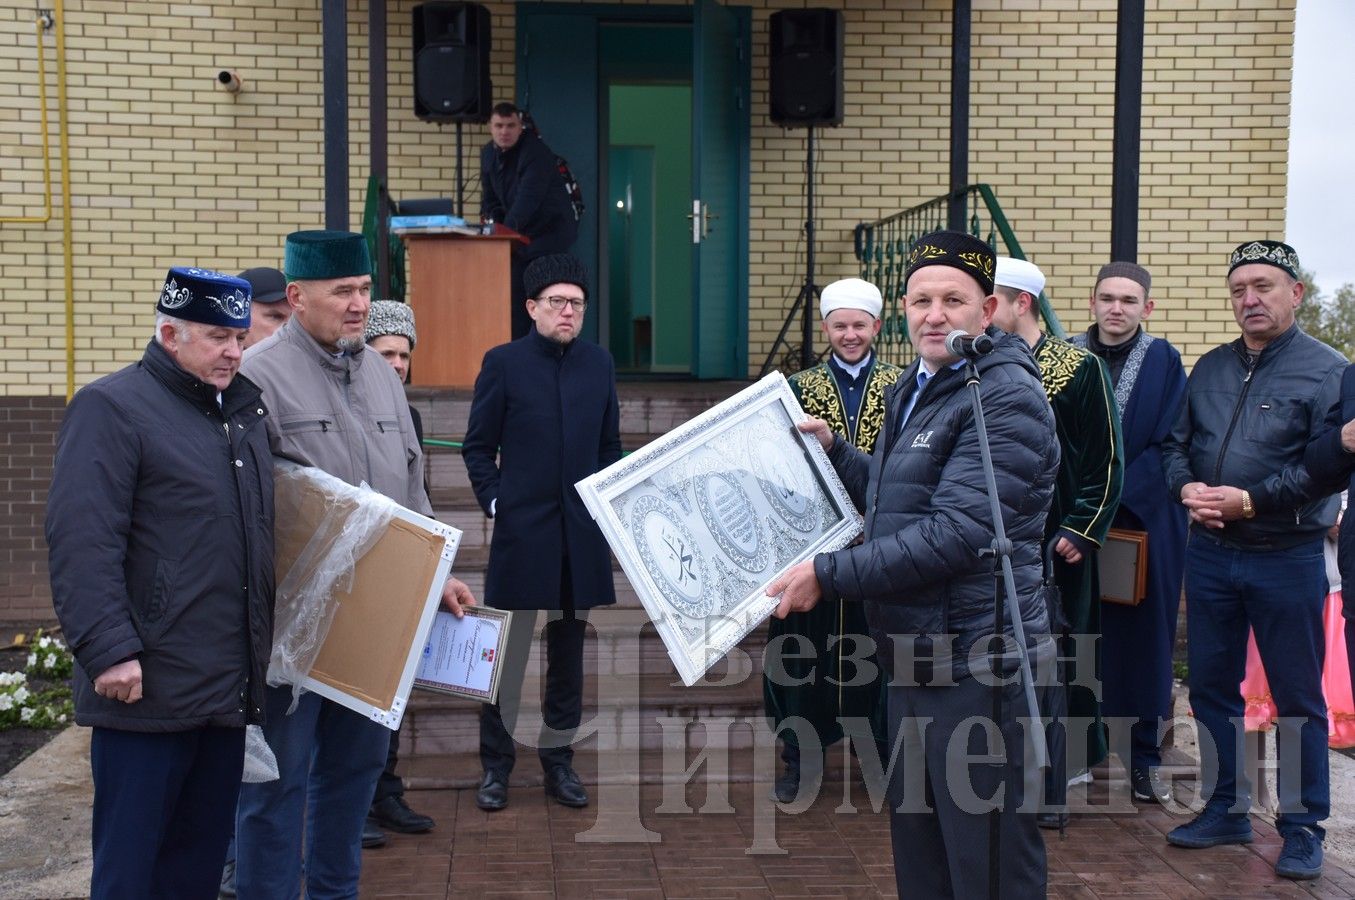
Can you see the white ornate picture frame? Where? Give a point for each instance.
(707, 516)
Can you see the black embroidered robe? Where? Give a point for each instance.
(823, 671)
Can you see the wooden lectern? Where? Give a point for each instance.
(460, 289)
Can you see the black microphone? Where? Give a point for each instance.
(960, 344)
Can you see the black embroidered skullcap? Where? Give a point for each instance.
(202, 295)
(1272, 253)
(557, 268)
(1133, 271)
(959, 251)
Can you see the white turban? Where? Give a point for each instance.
(1019, 274)
(851, 293)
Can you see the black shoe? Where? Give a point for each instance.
(1211, 828)
(228, 879)
(372, 836)
(1148, 786)
(393, 814)
(1052, 820)
(1301, 855)
(563, 786)
(493, 792)
(787, 786)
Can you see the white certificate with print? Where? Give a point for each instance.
(463, 656)
(707, 516)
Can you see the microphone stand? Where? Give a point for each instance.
(1004, 590)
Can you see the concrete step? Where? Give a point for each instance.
(647, 407)
(632, 691)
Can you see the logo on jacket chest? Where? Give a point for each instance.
(922, 440)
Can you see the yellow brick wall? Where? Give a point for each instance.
(167, 168)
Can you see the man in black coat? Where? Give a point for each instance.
(160, 536)
(1330, 458)
(546, 405)
(521, 187)
(928, 593)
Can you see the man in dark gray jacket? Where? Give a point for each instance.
(160, 537)
(1254, 556)
(928, 593)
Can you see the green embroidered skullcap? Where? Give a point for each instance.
(322, 255)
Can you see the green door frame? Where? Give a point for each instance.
(576, 132)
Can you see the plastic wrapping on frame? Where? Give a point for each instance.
(354, 519)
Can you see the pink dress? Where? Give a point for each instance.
(1261, 712)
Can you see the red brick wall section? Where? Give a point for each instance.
(28, 427)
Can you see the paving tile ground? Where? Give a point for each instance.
(741, 845)
(724, 838)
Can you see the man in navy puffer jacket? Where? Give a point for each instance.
(928, 593)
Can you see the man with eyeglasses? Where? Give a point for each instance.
(544, 416)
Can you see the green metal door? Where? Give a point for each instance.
(557, 82)
(720, 78)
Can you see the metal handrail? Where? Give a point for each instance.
(882, 248)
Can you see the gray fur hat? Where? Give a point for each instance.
(390, 317)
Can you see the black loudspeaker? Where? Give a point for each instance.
(451, 62)
(806, 67)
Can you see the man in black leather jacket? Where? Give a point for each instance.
(928, 593)
(1254, 554)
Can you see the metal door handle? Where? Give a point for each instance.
(701, 217)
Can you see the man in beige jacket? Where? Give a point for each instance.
(336, 405)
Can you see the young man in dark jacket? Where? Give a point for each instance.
(160, 537)
(1254, 557)
(521, 187)
(927, 591)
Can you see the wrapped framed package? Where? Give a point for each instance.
(359, 581)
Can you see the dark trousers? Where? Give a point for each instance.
(562, 706)
(389, 784)
(164, 806)
(1279, 594)
(1350, 646)
(1053, 700)
(939, 804)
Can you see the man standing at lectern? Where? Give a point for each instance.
(521, 187)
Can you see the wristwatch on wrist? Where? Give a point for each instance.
(1248, 511)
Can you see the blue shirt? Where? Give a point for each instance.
(851, 386)
(923, 376)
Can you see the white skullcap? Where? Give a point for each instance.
(851, 293)
(1019, 274)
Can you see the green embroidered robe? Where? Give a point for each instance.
(823, 678)
(1086, 496)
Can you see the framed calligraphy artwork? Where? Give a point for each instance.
(707, 516)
